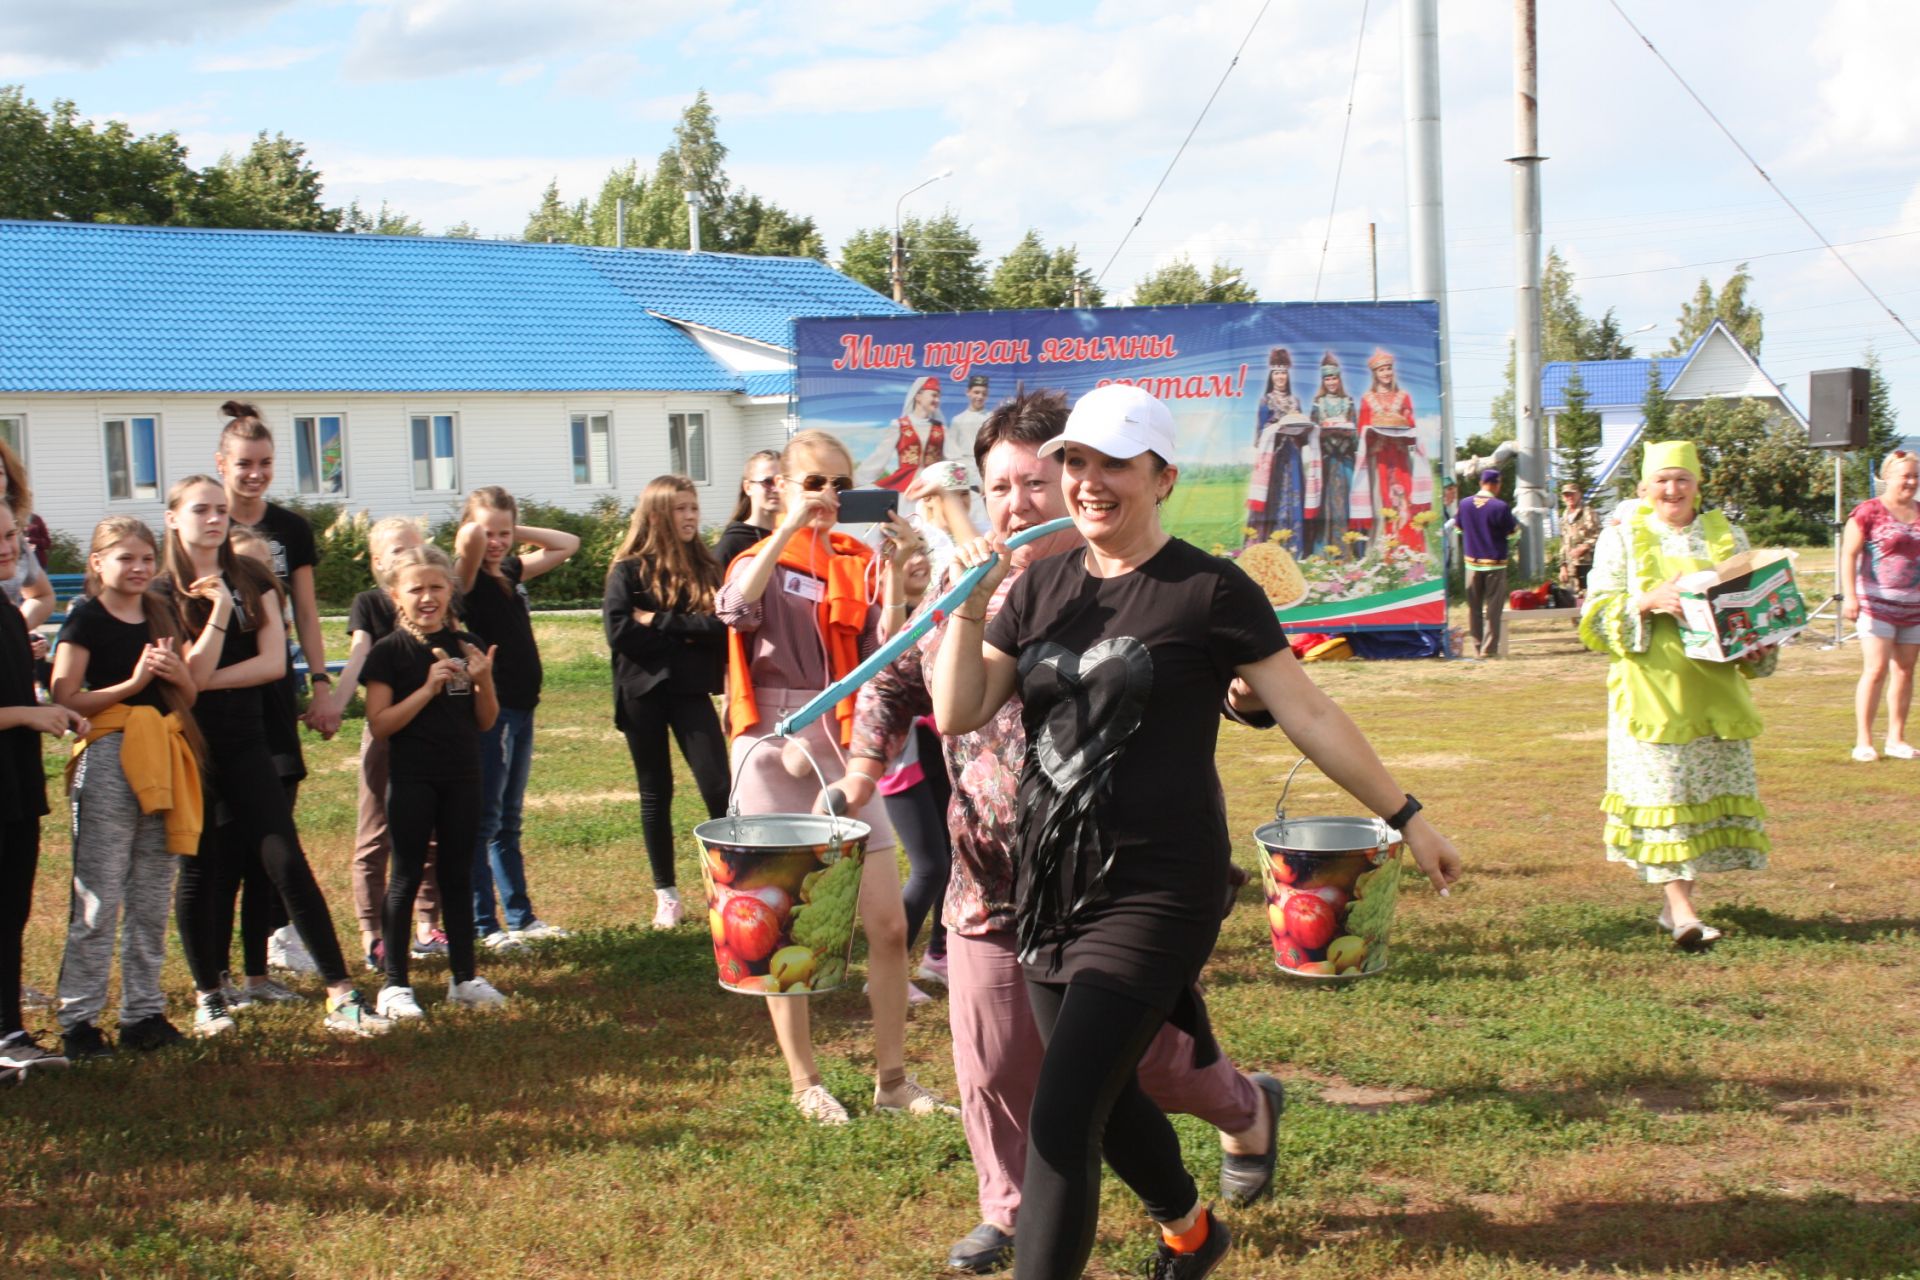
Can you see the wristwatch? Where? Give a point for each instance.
(1404, 814)
(329, 679)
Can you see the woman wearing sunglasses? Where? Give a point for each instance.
(805, 605)
(755, 512)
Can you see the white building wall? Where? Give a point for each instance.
(1719, 369)
(521, 441)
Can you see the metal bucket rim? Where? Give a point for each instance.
(1272, 835)
(833, 830)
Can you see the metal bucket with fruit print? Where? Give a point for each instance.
(782, 893)
(1331, 887)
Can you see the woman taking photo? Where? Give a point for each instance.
(804, 607)
(1880, 591)
(1682, 798)
(669, 660)
(755, 512)
(1122, 655)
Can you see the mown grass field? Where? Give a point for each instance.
(1538, 1086)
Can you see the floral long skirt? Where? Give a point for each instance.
(1676, 811)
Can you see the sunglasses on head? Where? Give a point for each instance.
(814, 482)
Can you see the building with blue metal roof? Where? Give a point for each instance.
(397, 372)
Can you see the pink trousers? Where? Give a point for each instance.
(996, 1057)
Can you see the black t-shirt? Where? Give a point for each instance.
(23, 782)
(734, 539)
(500, 614)
(442, 742)
(1121, 681)
(226, 715)
(113, 649)
(372, 613)
(290, 538)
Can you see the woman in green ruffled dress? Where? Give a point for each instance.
(1682, 798)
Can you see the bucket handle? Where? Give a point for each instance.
(733, 791)
(1383, 834)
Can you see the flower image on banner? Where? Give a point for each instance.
(1308, 433)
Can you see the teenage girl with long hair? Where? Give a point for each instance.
(430, 697)
(804, 610)
(231, 604)
(244, 462)
(492, 581)
(755, 512)
(669, 660)
(135, 787)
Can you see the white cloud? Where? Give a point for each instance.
(1869, 96)
(39, 37)
(419, 39)
(269, 58)
(600, 75)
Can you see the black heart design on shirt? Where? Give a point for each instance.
(1093, 702)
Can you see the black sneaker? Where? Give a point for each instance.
(151, 1033)
(1244, 1179)
(21, 1051)
(1168, 1265)
(85, 1041)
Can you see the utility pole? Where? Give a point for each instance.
(899, 268)
(1373, 258)
(1531, 499)
(1426, 206)
(1079, 294)
(620, 223)
(693, 221)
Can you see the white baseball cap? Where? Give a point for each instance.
(1120, 421)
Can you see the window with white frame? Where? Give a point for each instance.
(592, 448)
(320, 454)
(13, 429)
(687, 445)
(435, 466)
(133, 458)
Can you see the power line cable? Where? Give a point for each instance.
(1340, 165)
(1183, 144)
(1764, 175)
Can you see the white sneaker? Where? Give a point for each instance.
(668, 914)
(474, 993)
(819, 1106)
(397, 1004)
(501, 940)
(349, 1016)
(286, 951)
(541, 931)
(210, 1016)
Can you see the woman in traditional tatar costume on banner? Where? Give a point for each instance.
(1286, 463)
(1337, 441)
(920, 437)
(1399, 478)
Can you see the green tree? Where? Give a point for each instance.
(462, 230)
(1180, 281)
(1756, 462)
(1578, 431)
(1656, 424)
(943, 268)
(1566, 333)
(1030, 276)
(271, 187)
(56, 165)
(387, 222)
(1862, 470)
(1742, 318)
(555, 220)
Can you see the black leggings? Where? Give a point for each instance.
(418, 813)
(249, 820)
(919, 817)
(646, 721)
(19, 860)
(1088, 1102)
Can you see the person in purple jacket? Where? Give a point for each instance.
(1486, 522)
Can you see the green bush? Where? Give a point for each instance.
(1779, 527)
(66, 555)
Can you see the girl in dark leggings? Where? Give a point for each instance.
(232, 605)
(430, 696)
(669, 659)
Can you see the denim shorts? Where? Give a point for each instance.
(1872, 626)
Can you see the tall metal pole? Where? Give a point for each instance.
(693, 221)
(899, 264)
(1373, 258)
(620, 223)
(1531, 500)
(1426, 209)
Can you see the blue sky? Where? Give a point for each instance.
(1061, 116)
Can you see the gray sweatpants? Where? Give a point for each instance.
(120, 864)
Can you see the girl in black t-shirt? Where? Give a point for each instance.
(669, 659)
(135, 788)
(23, 802)
(755, 512)
(430, 696)
(493, 583)
(232, 604)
